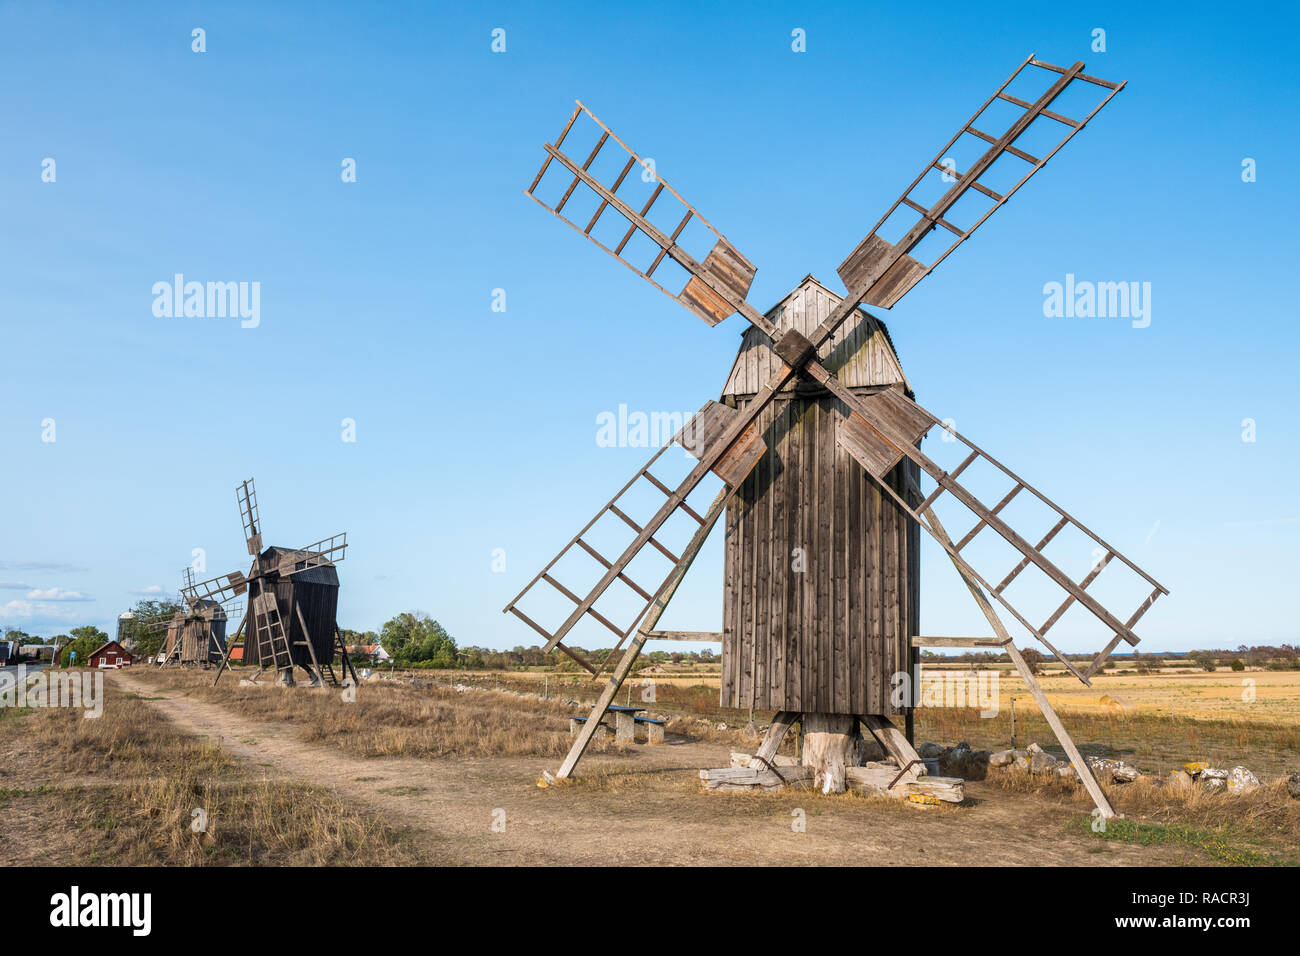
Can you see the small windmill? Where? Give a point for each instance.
(196, 631)
(851, 489)
(292, 601)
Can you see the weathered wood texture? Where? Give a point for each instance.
(859, 352)
(821, 594)
(829, 746)
(316, 590)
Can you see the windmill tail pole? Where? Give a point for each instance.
(1062, 735)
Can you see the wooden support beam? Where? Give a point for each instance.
(780, 726)
(708, 637)
(657, 608)
(895, 744)
(225, 658)
(956, 642)
(1062, 735)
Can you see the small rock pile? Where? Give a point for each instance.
(958, 761)
(1033, 759)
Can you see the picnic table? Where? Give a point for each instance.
(625, 721)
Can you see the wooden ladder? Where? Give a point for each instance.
(272, 645)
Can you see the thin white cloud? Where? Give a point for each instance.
(151, 589)
(40, 566)
(56, 594)
(37, 616)
(14, 586)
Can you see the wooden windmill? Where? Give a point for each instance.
(293, 596)
(195, 633)
(817, 444)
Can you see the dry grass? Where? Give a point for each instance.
(392, 719)
(496, 717)
(1254, 829)
(146, 781)
(1152, 742)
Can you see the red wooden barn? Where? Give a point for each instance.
(111, 654)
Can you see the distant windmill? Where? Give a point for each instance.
(817, 442)
(293, 601)
(196, 632)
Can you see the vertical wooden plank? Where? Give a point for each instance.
(794, 580)
(874, 597)
(780, 563)
(808, 584)
(745, 663)
(762, 576)
(826, 551)
(730, 632)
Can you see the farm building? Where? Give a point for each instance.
(108, 656)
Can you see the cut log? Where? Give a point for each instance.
(829, 746)
(741, 759)
(747, 777)
(876, 780)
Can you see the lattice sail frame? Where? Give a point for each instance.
(723, 264)
(904, 272)
(878, 431)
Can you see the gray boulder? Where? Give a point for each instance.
(1212, 779)
(930, 749)
(1113, 771)
(1241, 780)
(1043, 762)
(1005, 758)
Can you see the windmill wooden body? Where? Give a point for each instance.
(195, 634)
(292, 602)
(821, 584)
(803, 648)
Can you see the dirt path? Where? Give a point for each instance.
(656, 815)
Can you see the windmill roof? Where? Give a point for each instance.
(860, 353)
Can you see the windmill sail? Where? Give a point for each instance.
(879, 272)
(882, 429)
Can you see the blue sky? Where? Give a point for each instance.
(475, 430)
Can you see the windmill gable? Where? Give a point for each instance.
(860, 353)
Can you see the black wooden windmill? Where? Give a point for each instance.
(293, 596)
(817, 444)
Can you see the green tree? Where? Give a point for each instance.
(142, 634)
(85, 641)
(413, 637)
